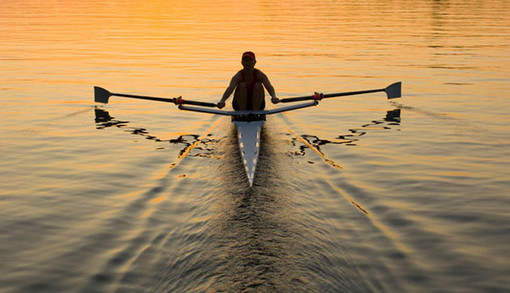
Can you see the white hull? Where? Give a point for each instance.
(248, 136)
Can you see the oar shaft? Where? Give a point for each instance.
(173, 100)
(352, 93)
(296, 99)
(197, 103)
(144, 98)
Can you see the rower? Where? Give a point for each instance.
(249, 84)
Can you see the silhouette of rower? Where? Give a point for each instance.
(249, 84)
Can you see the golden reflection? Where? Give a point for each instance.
(452, 174)
(199, 140)
(158, 199)
(316, 150)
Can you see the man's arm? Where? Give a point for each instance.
(230, 89)
(270, 89)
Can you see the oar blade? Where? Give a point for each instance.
(101, 95)
(394, 91)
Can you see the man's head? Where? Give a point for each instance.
(249, 55)
(248, 61)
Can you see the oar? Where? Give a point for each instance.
(102, 95)
(392, 91)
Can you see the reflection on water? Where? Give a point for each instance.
(392, 119)
(393, 116)
(104, 120)
(205, 149)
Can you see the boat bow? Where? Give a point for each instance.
(248, 135)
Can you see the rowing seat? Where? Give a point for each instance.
(249, 117)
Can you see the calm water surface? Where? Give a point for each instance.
(359, 194)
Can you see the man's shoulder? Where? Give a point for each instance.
(260, 74)
(237, 75)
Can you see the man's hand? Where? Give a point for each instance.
(220, 104)
(275, 100)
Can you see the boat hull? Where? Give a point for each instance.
(248, 136)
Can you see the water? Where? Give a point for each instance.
(359, 194)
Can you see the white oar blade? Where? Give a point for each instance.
(101, 95)
(394, 90)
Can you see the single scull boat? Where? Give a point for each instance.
(248, 123)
